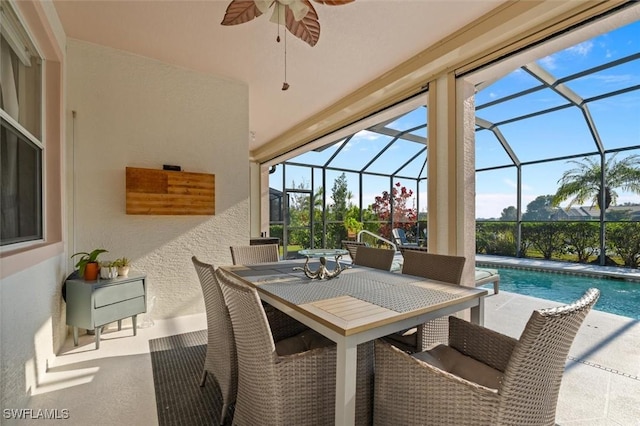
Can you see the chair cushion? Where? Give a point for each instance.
(407, 337)
(454, 362)
(290, 345)
(307, 340)
(314, 340)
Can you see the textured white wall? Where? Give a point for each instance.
(138, 112)
(31, 317)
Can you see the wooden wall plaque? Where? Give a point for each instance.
(165, 192)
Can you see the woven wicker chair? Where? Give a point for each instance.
(372, 257)
(221, 359)
(282, 325)
(297, 389)
(482, 377)
(251, 255)
(352, 247)
(439, 267)
(483, 275)
(402, 249)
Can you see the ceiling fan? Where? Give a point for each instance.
(299, 16)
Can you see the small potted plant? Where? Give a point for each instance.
(108, 270)
(88, 265)
(123, 265)
(353, 226)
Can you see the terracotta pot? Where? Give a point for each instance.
(91, 271)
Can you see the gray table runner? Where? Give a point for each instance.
(389, 290)
(404, 298)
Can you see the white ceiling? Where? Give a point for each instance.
(358, 42)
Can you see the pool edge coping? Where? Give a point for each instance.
(594, 271)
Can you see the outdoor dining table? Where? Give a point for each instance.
(359, 305)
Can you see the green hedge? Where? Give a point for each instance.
(568, 241)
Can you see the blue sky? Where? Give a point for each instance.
(559, 133)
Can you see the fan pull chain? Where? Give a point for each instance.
(278, 12)
(285, 85)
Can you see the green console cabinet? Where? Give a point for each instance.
(92, 304)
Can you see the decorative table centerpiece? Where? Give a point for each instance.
(322, 273)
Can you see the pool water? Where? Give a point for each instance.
(616, 296)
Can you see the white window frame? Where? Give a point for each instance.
(21, 40)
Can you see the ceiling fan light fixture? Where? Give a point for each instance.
(297, 7)
(263, 5)
(298, 17)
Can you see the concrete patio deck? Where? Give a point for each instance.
(114, 385)
(601, 384)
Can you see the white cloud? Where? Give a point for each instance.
(361, 136)
(366, 135)
(582, 49)
(548, 62)
(612, 78)
(510, 183)
(348, 146)
(490, 205)
(625, 197)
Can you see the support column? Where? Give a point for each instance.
(258, 199)
(451, 171)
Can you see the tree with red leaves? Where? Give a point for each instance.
(403, 216)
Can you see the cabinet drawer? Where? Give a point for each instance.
(118, 311)
(116, 293)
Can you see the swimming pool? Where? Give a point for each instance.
(616, 296)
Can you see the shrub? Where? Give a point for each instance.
(623, 239)
(546, 237)
(582, 239)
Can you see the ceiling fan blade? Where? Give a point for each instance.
(308, 28)
(240, 11)
(334, 2)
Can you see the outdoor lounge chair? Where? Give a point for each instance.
(488, 276)
(400, 238)
(482, 377)
(437, 267)
(281, 386)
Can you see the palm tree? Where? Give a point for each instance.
(585, 183)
